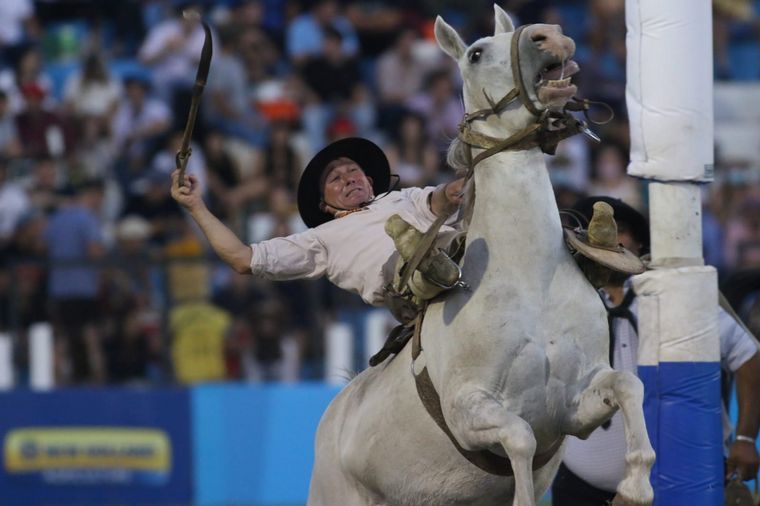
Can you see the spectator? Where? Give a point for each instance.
(10, 145)
(377, 23)
(199, 329)
(17, 25)
(42, 132)
(27, 70)
(74, 242)
(592, 469)
(224, 179)
(412, 154)
(742, 239)
(138, 127)
(603, 75)
(134, 347)
(609, 176)
(275, 354)
(93, 94)
(279, 162)
(335, 86)
(154, 205)
(227, 105)
(441, 108)
(305, 34)
(172, 50)
(14, 203)
(399, 74)
(240, 298)
(45, 188)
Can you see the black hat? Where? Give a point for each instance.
(365, 153)
(638, 224)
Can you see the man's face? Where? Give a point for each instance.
(347, 187)
(627, 239)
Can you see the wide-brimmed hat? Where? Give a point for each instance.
(365, 153)
(599, 241)
(637, 222)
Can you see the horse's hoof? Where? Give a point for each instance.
(619, 500)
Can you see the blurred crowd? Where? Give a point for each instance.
(93, 102)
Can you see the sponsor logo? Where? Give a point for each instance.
(88, 454)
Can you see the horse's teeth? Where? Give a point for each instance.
(558, 83)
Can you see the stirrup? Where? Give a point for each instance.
(441, 271)
(459, 283)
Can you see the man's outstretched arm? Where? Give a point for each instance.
(743, 456)
(224, 242)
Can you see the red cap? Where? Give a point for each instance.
(32, 90)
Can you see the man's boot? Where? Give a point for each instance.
(435, 273)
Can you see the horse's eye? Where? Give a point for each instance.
(475, 55)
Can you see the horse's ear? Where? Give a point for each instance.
(502, 22)
(448, 39)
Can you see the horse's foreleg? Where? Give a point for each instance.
(479, 422)
(597, 403)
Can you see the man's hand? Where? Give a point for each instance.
(454, 192)
(742, 459)
(189, 195)
(446, 198)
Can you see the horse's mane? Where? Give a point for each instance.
(458, 159)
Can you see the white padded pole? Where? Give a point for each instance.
(41, 356)
(339, 353)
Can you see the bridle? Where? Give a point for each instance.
(545, 132)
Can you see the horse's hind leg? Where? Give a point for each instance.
(480, 421)
(608, 390)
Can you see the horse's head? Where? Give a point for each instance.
(534, 60)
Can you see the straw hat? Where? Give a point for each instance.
(599, 242)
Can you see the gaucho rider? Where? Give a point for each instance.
(361, 234)
(357, 229)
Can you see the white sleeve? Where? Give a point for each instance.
(736, 345)
(419, 198)
(297, 256)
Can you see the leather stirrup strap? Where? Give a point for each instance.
(426, 243)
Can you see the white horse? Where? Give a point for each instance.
(519, 361)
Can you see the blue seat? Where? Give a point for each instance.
(744, 61)
(123, 68)
(574, 20)
(59, 73)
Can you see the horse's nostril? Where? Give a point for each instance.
(538, 37)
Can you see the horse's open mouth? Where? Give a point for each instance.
(554, 85)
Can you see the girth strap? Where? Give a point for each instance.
(483, 459)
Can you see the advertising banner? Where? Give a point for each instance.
(96, 447)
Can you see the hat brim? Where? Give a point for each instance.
(621, 260)
(365, 153)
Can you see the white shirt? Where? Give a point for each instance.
(354, 252)
(13, 204)
(128, 119)
(13, 13)
(600, 460)
(92, 98)
(179, 64)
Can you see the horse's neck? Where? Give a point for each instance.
(515, 211)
